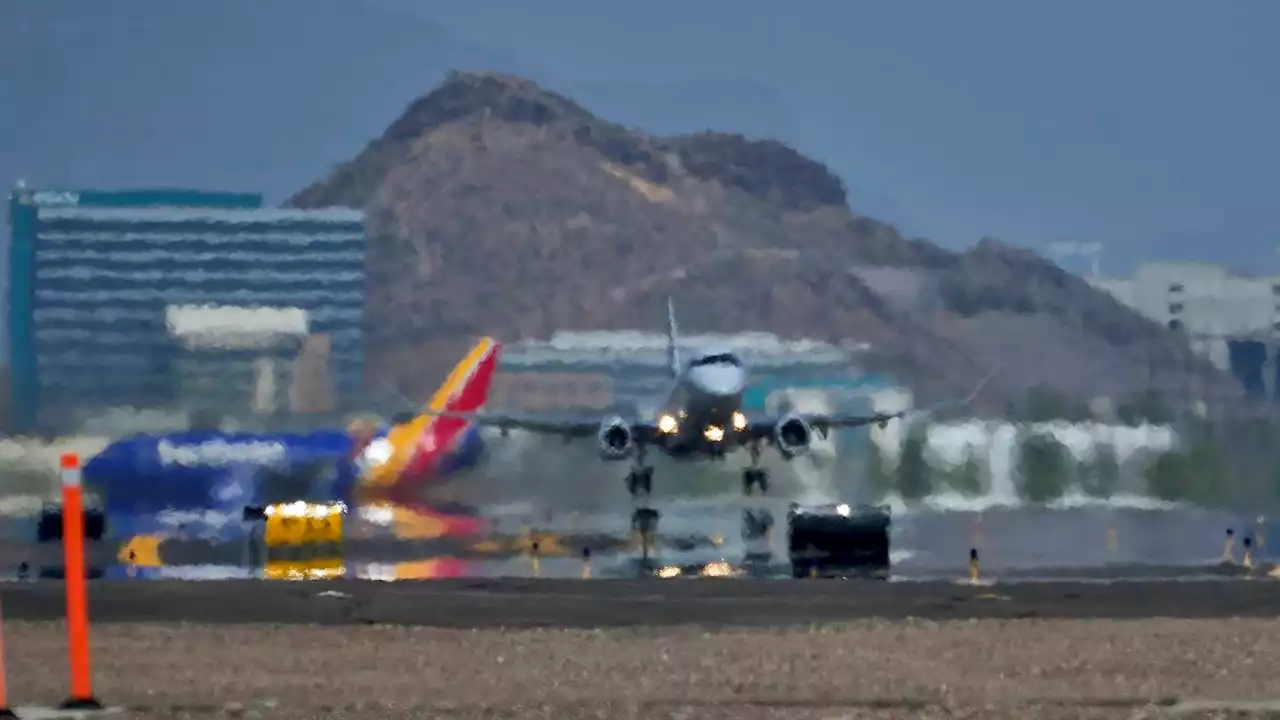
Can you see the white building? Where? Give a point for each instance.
(1208, 302)
(632, 347)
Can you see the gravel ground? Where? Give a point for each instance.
(1042, 669)
(740, 712)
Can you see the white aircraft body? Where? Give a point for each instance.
(701, 418)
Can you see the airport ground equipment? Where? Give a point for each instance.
(298, 540)
(838, 540)
(299, 523)
(49, 523)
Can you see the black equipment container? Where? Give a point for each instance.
(49, 526)
(838, 541)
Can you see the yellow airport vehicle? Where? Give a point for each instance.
(300, 523)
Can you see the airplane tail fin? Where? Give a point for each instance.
(467, 387)
(673, 330)
(421, 440)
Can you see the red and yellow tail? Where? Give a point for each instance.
(430, 445)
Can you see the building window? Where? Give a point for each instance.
(1175, 308)
(1175, 325)
(1275, 289)
(1176, 287)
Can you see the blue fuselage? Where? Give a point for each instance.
(217, 470)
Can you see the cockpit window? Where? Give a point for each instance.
(721, 359)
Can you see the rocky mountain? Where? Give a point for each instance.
(498, 206)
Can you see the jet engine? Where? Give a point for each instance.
(615, 439)
(792, 435)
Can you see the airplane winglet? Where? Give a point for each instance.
(673, 330)
(946, 404)
(981, 384)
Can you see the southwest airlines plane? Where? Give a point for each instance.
(212, 470)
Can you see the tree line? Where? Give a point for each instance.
(1045, 470)
(1211, 463)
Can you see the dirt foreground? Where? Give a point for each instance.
(1041, 669)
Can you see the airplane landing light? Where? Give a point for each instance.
(667, 424)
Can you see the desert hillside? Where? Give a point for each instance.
(498, 206)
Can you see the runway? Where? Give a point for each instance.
(513, 603)
(1069, 604)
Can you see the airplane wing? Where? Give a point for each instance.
(824, 422)
(543, 424)
(644, 432)
(762, 427)
(568, 426)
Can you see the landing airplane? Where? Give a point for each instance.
(366, 464)
(701, 418)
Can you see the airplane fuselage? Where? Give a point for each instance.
(206, 470)
(364, 463)
(706, 407)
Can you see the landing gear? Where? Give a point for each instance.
(757, 522)
(640, 482)
(640, 479)
(644, 519)
(644, 523)
(754, 475)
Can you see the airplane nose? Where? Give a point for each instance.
(719, 380)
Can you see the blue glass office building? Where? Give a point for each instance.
(93, 276)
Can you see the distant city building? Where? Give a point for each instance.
(177, 299)
(1232, 319)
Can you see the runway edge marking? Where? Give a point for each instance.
(35, 712)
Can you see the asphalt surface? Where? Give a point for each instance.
(515, 603)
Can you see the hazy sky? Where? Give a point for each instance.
(1147, 125)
